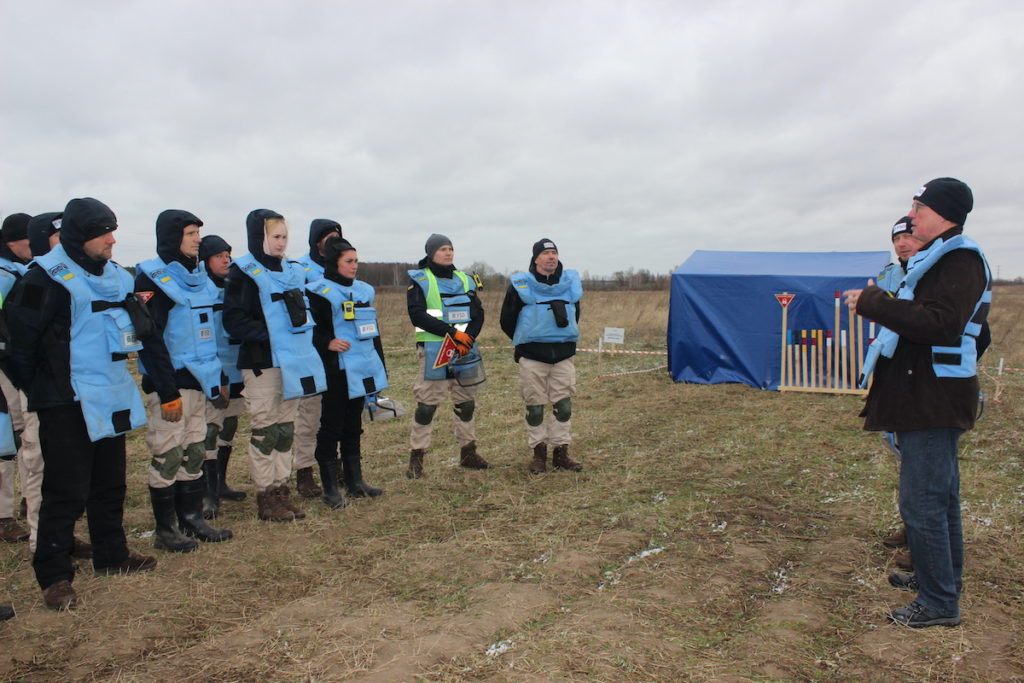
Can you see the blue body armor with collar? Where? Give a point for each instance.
(102, 336)
(190, 333)
(355, 321)
(447, 300)
(312, 270)
(291, 346)
(891, 278)
(227, 348)
(537, 322)
(947, 361)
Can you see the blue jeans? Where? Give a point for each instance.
(930, 507)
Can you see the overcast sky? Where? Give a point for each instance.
(631, 133)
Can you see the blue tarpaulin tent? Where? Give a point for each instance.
(724, 321)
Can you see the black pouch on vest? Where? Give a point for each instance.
(296, 306)
(558, 308)
(142, 321)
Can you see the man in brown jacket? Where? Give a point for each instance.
(926, 389)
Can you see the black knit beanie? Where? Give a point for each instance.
(901, 226)
(435, 242)
(15, 227)
(542, 244)
(948, 197)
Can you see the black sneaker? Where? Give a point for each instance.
(905, 582)
(916, 615)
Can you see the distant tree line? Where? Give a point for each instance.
(384, 275)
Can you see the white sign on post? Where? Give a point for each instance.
(614, 335)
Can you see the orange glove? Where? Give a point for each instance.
(171, 411)
(463, 342)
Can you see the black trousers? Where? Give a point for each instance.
(78, 475)
(341, 421)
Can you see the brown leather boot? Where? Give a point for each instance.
(904, 561)
(896, 539)
(285, 498)
(80, 549)
(469, 458)
(415, 470)
(11, 531)
(133, 564)
(539, 463)
(305, 485)
(560, 460)
(60, 596)
(269, 508)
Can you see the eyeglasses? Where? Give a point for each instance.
(917, 206)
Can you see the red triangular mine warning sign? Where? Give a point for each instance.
(445, 353)
(784, 299)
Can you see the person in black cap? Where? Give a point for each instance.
(925, 389)
(222, 423)
(74, 320)
(540, 314)
(181, 372)
(443, 302)
(307, 416)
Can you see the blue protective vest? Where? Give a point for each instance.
(12, 267)
(102, 336)
(227, 348)
(291, 347)
(363, 367)
(312, 270)
(7, 446)
(447, 300)
(190, 334)
(947, 361)
(536, 321)
(7, 280)
(891, 278)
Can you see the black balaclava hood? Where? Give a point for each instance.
(85, 219)
(170, 226)
(39, 230)
(255, 234)
(317, 229)
(211, 245)
(15, 228)
(333, 249)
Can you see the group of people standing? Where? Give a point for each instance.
(295, 342)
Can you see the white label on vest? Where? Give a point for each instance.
(206, 333)
(368, 329)
(130, 339)
(458, 316)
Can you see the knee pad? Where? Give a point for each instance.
(192, 460)
(171, 462)
(562, 409)
(534, 415)
(464, 410)
(230, 426)
(285, 436)
(424, 414)
(265, 439)
(210, 442)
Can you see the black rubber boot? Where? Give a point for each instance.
(167, 535)
(329, 479)
(225, 491)
(189, 501)
(353, 476)
(211, 493)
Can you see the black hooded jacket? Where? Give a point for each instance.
(243, 312)
(317, 230)
(161, 376)
(39, 313)
(544, 352)
(416, 302)
(14, 229)
(39, 230)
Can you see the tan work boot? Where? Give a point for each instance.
(305, 485)
(539, 462)
(285, 498)
(60, 596)
(560, 460)
(269, 508)
(415, 470)
(469, 458)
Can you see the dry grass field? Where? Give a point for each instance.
(717, 533)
